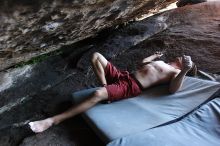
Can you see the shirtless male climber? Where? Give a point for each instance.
(119, 85)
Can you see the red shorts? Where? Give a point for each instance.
(120, 84)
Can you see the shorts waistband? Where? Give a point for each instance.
(138, 83)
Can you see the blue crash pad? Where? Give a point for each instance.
(201, 128)
(153, 107)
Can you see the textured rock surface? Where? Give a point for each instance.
(38, 91)
(31, 28)
(193, 30)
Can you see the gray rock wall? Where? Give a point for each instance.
(32, 28)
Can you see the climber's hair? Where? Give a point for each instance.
(193, 71)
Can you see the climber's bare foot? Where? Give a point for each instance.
(40, 126)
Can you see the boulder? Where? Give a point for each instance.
(37, 91)
(32, 28)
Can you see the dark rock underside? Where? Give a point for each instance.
(30, 28)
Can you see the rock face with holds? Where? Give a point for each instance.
(33, 27)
